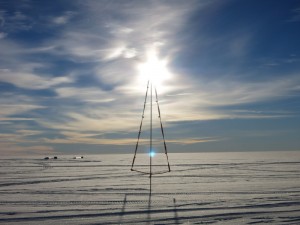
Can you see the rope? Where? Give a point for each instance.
(160, 172)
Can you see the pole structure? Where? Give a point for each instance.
(151, 153)
(150, 150)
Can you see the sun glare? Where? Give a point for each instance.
(153, 69)
(152, 154)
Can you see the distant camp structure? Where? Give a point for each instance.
(47, 157)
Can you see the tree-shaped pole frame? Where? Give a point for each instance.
(150, 138)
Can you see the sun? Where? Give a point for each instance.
(154, 69)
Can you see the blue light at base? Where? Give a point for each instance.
(152, 154)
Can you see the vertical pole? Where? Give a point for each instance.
(150, 151)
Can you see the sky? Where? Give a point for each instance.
(71, 83)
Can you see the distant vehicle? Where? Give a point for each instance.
(78, 157)
(55, 157)
(47, 158)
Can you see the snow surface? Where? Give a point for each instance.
(202, 188)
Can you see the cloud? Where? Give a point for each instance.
(213, 99)
(2, 35)
(29, 132)
(89, 69)
(101, 121)
(188, 141)
(230, 92)
(296, 15)
(175, 107)
(17, 110)
(20, 136)
(10, 109)
(86, 94)
(63, 19)
(11, 143)
(15, 21)
(94, 139)
(118, 110)
(11, 149)
(31, 81)
(135, 27)
(272, 62)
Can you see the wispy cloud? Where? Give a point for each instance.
(31, 81)
(16, 21)
(296, 15)
(63, 19)
(208, 98)
(114, 45)
(86, 94)
(83, 138)
(82, 80)
(29, 132)
(189, 141)
(10, 109)
(2, 35)
(18, 108)
(14, 149)
(13, 143)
